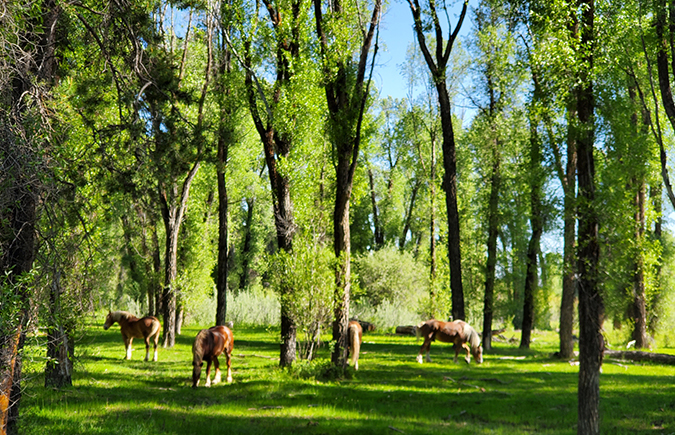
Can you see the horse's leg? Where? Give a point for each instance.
(468, 354)
(425, 348)
(216, 379)
(456, 347)
(229, 366)
(208, 374)
(156, 341)
(127, 345)
(147, 348)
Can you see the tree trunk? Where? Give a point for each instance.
(639, 309)
(569, 248)
(377, 227)
(20, 191)
(437, 68)
(60, 346)
(537, 178)
(346, 106)
(591, 345)
(246, 252)
(493, 232)
(174, 206)
(223, 252)
(342, 247)
(170, 275)
(408, 218)
(664, 24)
(450, 187)
(157, 276)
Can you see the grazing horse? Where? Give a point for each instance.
(133, 327)
(208, 344)
(355, 333)
(458, 332)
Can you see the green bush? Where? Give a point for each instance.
(391, 287)
(390, 274)
(305, 282)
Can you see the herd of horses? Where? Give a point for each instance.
(211, 343)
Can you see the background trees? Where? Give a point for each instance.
(135, 177)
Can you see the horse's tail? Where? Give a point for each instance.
(156, 326)
(418, 328)
(355, 344)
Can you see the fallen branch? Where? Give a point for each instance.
(636, 355)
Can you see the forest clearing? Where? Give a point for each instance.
(512, 392)
(209, 162)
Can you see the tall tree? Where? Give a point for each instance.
(29, 63)
(276, 135)
(346, 90)
(229, 107)
(591, 344)
(438, 67)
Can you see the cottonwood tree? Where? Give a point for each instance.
(591, 344)
(276, 110)
(345, 36)
(497, 79)
(426, 17)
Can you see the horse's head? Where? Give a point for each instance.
(108, 321)
(196, 371)
(477, 353)
(198, 356)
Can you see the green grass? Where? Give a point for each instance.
(390, 394)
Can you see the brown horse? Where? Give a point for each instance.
(208, 344)
(133, 327)
(458, 332)
(355, 333)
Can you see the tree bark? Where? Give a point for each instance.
(246, 251)
(378, 233)
(438, 67)
(20, 189)
(591, 345)
(537, 178)
(491, 263)
(664, 23)
(60, 346)
(569, 232)
(639, 305)
(174, 206)
(224, 138)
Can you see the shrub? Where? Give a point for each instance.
(391, 287)
(308, 273)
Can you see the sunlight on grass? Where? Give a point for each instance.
(513, 392)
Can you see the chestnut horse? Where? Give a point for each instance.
(208, 344)
(458, 332)
(355, 333)
(133, 327)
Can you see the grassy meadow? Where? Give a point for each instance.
(513, 392)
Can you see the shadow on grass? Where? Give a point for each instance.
(391, 393)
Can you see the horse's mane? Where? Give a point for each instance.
(121, 315)
(198, 345)
(472, 336)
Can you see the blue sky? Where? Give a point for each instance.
(396, 33)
